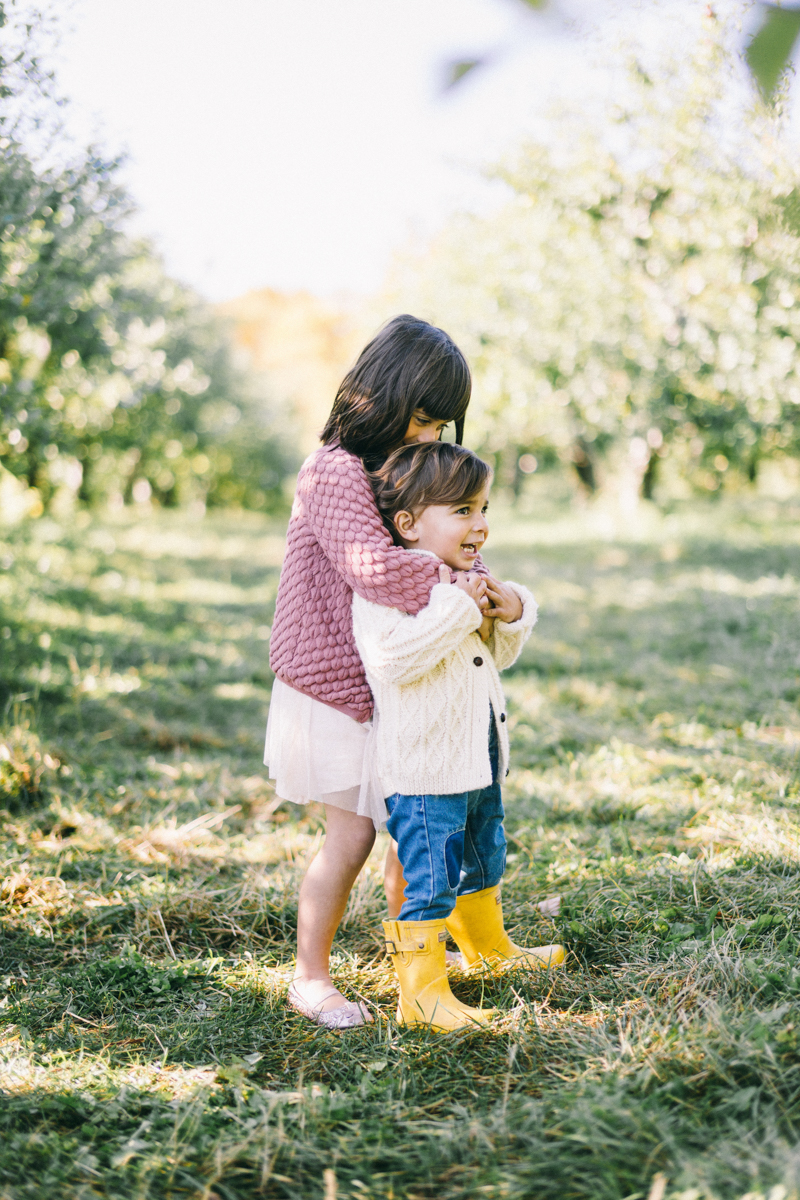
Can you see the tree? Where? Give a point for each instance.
(768, 53)
(639, 294)
(109, 369)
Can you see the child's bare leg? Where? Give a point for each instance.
(393, 881)
(323, 898)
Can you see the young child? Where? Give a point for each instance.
(441, 741)
(409, 382)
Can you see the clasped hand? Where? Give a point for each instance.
(496, 600)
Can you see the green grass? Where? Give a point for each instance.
(149, 884)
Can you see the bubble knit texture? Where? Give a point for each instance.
(337, 545)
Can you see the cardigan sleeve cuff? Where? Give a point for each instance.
(457, 601)
(530, 612)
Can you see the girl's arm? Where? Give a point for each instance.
(335, 495)
(509, 637)
(396, 648)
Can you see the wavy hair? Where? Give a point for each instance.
(414, 477)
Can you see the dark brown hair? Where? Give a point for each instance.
(409, 365)
(415, 477)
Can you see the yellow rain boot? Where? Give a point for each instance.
(476, 926)
(416, 949)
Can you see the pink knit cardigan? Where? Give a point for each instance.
(337, 544)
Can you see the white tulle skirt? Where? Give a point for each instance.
(315, 753)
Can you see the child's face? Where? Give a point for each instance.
(422, 428)
(453, 532)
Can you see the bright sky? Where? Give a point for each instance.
(296, 144)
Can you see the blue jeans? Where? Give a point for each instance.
(448, 845)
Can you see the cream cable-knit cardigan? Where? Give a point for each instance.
(433, 680)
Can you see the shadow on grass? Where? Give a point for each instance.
(149, 899)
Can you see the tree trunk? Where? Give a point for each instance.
(649, 477)
(584, 466)
(84, 492)
(32, 472)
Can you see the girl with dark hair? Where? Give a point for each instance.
(412, 376)
(407, 385)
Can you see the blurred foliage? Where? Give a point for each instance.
(771, 48)
(301, 346)
(635, 302)
(116, 382)
(768, 53)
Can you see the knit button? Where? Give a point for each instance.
(502, 716)
(478, 662)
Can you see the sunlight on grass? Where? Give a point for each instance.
(150, 875)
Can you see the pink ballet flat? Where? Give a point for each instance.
(345, 1016)
(550, 907)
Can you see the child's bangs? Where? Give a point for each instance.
(410, 366)
(415, 477)
(454, 479)
(447, 397)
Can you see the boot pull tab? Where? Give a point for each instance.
(443, 936)
(401, 948)
(498, 898)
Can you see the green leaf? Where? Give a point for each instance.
(790, 210)
(766, 921)
(788, 946)
(770, 50)
(457, 70)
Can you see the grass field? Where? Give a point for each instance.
(149, 884)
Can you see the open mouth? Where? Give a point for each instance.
(471, 549)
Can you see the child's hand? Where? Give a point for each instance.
(473, 585)
(486, 629)
(504, 603)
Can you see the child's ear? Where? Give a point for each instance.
(405, 526)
